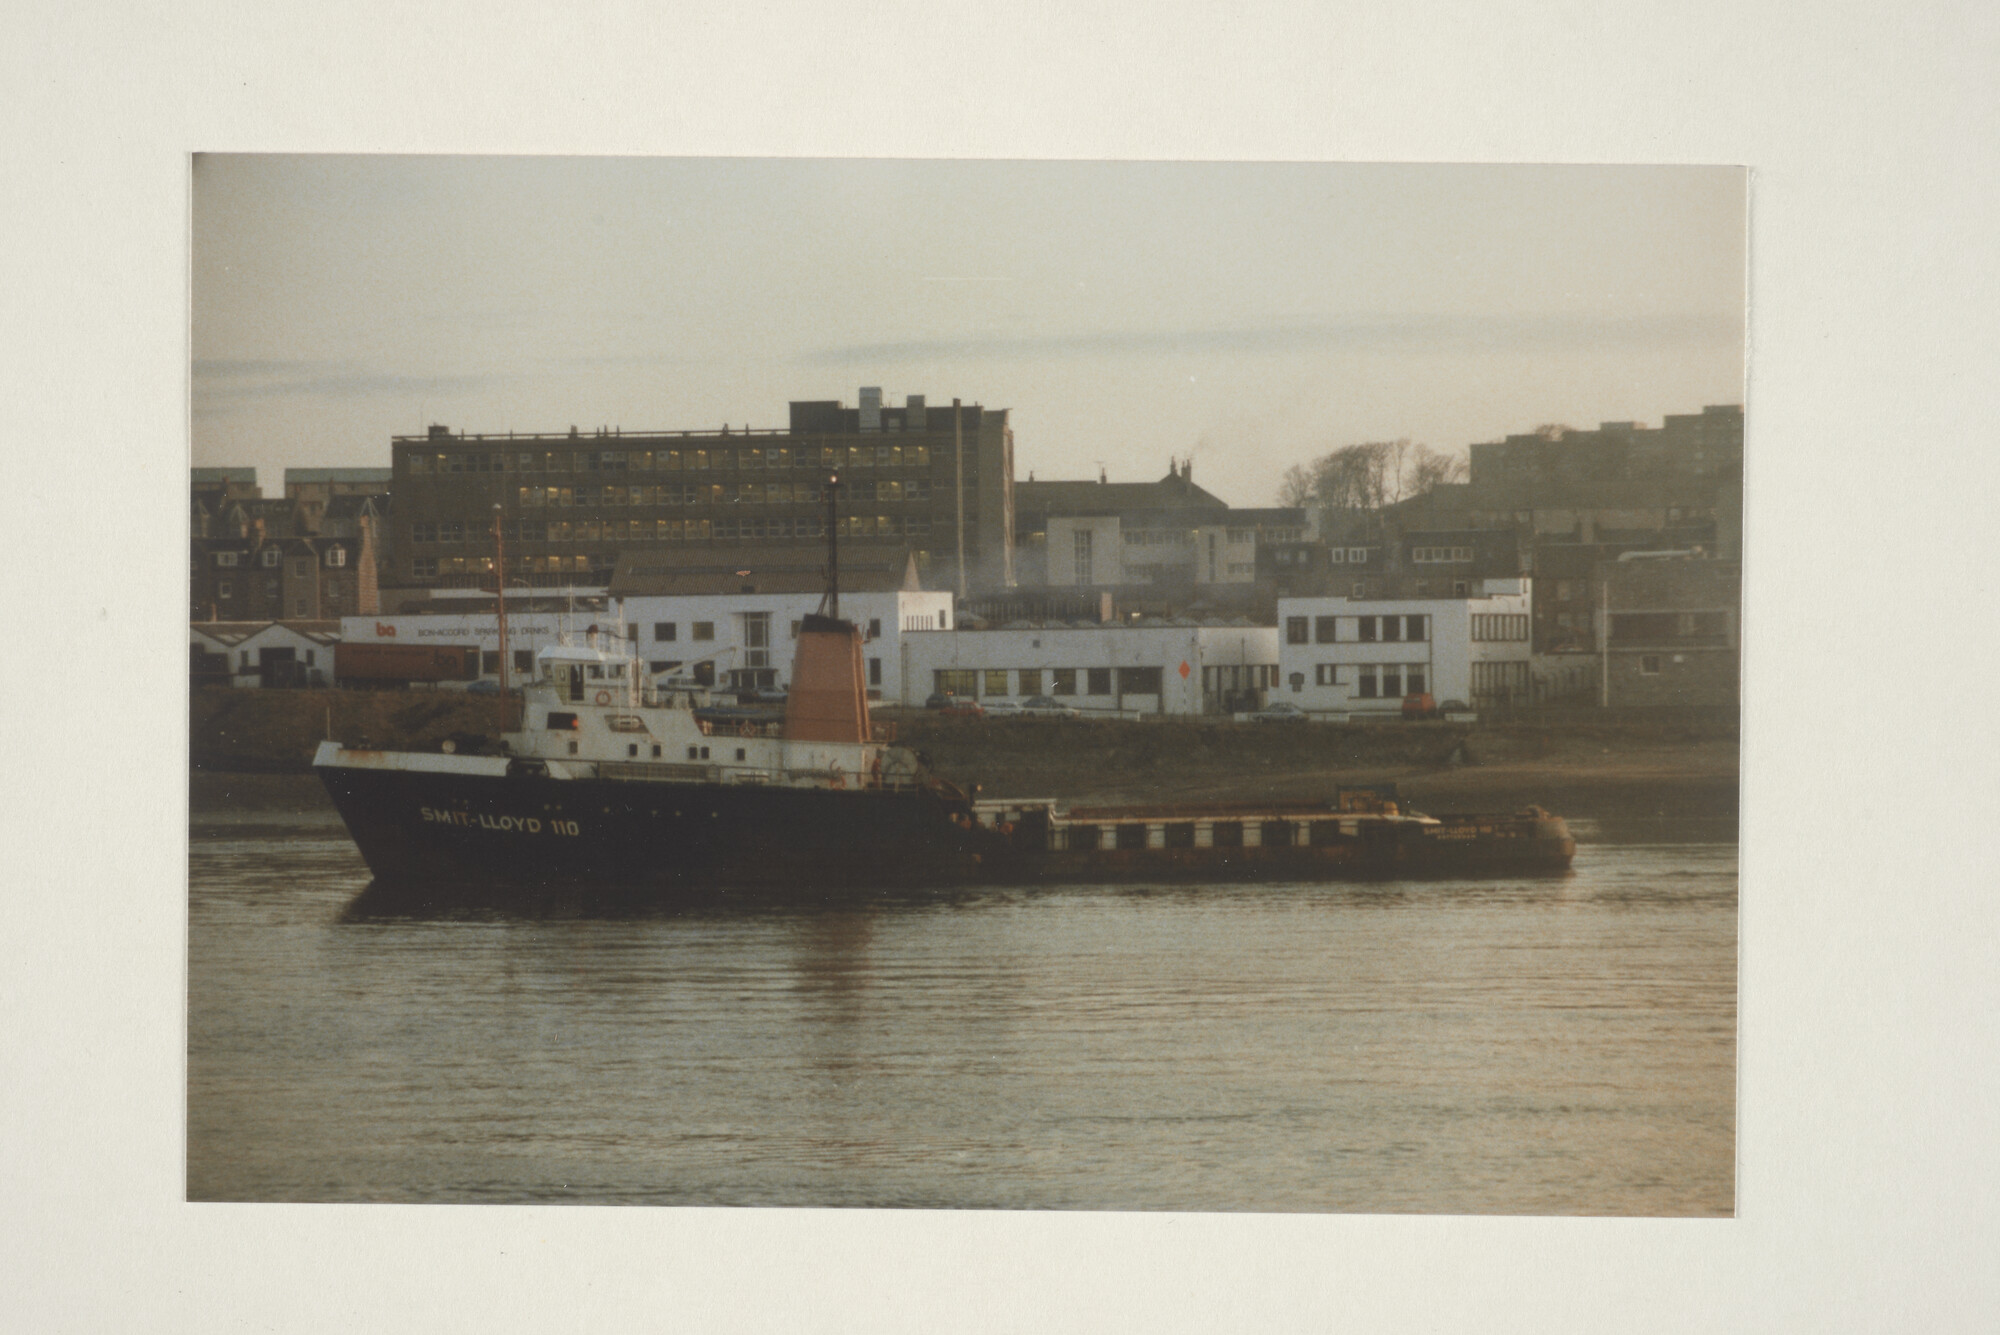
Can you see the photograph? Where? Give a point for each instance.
(965, 684)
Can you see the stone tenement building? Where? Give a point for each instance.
(572, 503)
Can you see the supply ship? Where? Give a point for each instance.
(614, 778)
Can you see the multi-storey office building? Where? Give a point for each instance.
(1687, 447)
(570, 504)
(1360, 656)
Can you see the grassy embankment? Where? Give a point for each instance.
(1580, 764)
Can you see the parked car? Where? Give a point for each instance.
(1279, 711)
(1003, 709)
(1047, 706)
(961, 706)
(484, 686)
(1419, 706)
(939, 700)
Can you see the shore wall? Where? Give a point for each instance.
(276, 732)
(1630, 763)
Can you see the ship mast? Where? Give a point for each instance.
(831, 601)
(500, 592)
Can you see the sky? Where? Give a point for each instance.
(1244, 316)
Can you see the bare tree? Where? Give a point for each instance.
(1358, 481)
(1430, 470)
(1295, 488)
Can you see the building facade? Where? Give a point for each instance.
(1115, 670)
(263, 654)
(1360, 656)
(317, 486)
(1673, 633)
(258, 578)
(570, 504)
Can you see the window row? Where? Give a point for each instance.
(990, 682)
(1500, 626)
(1238, 677)
(1440, 555)
(1375, 681)
(716, 493)
(688, 530)
(675, 461)
(1668, 627)
(756, 631)
(271, 558)
(1356, 630)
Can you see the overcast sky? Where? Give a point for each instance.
(1249, 316)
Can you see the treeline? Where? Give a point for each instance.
(1365, 479)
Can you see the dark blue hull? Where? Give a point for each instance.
(661, 842)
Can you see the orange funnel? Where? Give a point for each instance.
(827, 701)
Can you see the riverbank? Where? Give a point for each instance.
(251, 751)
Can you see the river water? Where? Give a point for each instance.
(1560, 1046)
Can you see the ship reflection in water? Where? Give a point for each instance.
(1559, 1045)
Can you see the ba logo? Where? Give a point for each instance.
(383, 629)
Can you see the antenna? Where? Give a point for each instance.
(831, 602)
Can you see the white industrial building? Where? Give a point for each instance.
(742, 639)
(1128, 669)
(1352, 656)
(746, 639)
(262, 653)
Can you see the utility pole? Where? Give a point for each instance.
(958, 463)
(1604, 635)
